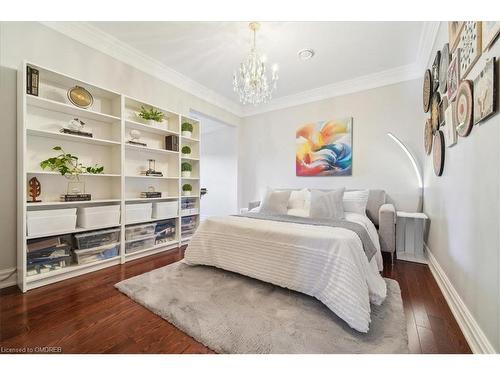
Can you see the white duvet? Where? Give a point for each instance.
(323, 262)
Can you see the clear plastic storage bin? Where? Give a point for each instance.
(138, 232)
(136, 245)
(98, 238)
(165, 231)
(97, 253)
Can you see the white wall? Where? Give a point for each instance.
(464, 207)
(219, 170)
(267, 143)
(34, 42)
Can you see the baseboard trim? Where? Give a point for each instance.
(475, 337)
(12, 280)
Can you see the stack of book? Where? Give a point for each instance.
(75, 197)
(151, 194)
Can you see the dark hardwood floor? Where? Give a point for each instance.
(88, 315)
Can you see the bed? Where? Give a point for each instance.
(328, 263)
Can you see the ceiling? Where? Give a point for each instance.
(209, 52)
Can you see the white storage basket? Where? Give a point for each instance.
(165, 210)
(96, 217)
(50, 221)
(136, 213)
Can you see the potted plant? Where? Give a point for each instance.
(187, 189)
(69, 166)
(187, 129)
(186, 169)
(150, 116)
(186, 150)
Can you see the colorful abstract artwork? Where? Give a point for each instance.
(324, 148)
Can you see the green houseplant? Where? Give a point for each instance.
(187, 129)
(186, 150)
(186, 169)
(150, 115)
(69, 166)
(187, 189)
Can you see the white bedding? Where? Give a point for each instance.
(323, 262)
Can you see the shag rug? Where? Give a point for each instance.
(231, 313)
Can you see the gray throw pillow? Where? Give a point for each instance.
(327, 204)
(275, 203)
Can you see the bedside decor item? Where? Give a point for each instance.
(250, 82)
(443, 105)
(324, 148)
(80, 97)
(450, 128)
(151, 193)
(428, 136)
(135, 136)
(443, 68)
(427, 90)
(172, 143)
(35, 190)
(436, 99)
(464, 108)
(150, 116)
(453, 76)
(410, 229)
(415, 165)
(438, 155)
(77, 127)
(186, 150)
(435, 71)
(32, 80)
(490, 31)
(485, 92)
(187, 129)
(187, 189)
(186, 169)
(470, 46)
(454, 29)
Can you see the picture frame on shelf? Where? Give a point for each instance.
(490, 31)
(485, 92)
(470, 46)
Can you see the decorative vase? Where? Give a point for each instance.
(187, 134)
(186, 192)
(186, 174)
(76, 185)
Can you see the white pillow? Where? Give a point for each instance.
(298, 199)
(298, 212)
(327, 204)
(356, 201)
(275, 202)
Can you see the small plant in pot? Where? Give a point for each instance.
(187, 129)
(186, 169)
(186, 150)
(187, 189)
(150, 116)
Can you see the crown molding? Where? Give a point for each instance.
(97, 39)
(426, 44)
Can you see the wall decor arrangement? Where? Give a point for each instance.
(450, 127)
(470, 46)
(443, 69)
(436, 100)
(427, 90)
(485, 92)
(490, 32)
(464, 108)
(435, 71)
(454, 29)
(324, 148)
(438, 154)
(453, 76)
(428, 136)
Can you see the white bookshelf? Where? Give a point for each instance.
(112, 117)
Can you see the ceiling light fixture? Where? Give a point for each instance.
(251, 81)
(305, 54)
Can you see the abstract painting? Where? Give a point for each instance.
(484, 92)
(470, 46)
(324, 148)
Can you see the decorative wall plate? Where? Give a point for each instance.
(485, 92)
(80, 97)
(453, 76)
(443, 68)
(490, 31)
(438, 154)
(427, 90)
(470, 46)
(435, 71)
(436, 99)
(454, 28)
(428, 136)
(464, 108)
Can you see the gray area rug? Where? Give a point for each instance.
(231, 313)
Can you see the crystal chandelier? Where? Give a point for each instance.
(250, 81)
